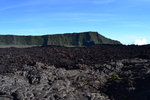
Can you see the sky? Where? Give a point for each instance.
(127, 21)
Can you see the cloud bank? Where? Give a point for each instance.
(140, 42)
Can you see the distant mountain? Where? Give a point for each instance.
(68, 39)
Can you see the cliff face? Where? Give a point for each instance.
(68, 39)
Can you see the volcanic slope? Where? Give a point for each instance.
(68, 39)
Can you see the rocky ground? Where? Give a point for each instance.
(75, 73)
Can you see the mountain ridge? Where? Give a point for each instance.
(66, 39)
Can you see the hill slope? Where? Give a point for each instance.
(68, 39)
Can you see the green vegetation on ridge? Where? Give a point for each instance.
(68, 39)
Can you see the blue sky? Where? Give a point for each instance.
(125, 20)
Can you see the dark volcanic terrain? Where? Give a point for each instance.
(101, 72)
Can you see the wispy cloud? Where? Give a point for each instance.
(82, 17)
(102, 1)
(10, 7)
(70, 14)
(130, 24)
(132, 37)
(140, 0)
(19, 20)
(25, 31)
(39, 2)
(137, 3)
(94, 20)
(27, 3)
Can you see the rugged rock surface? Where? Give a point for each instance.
(27, 76)
(42, 82)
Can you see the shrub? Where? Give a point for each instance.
(115, 76)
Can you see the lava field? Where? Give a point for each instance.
(101, 72)
(12, 59)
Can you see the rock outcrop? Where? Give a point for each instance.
(127, 79)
